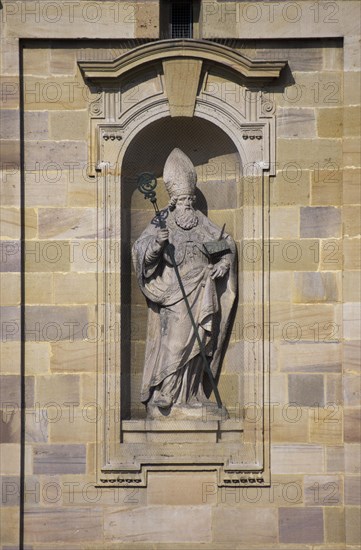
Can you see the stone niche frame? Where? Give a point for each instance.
(175, 78)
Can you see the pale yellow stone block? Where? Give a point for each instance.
(310, 357)
(182, 489)
(352, 86)
(75, 288)
(292, 255)
(291, 186)
(323, 490)
(10, 222)
(57, 388)
(335, 525)
(351, 186)
(326, 187)
(352, 357)
(76, 425)
(10, 459)
(285, 223)
(10, 357)
(9, 521)
(36, 61)
(331, 257)
(10, 289)
(39, 288)
(280, 286)
(82, 191)
(88, 392)
(326, 424)
(297, 459)
(330, 122)
(351, 152)
(63, 61)
(289, 424)
(76, 356)
(351, 217)
(352, 253)
(307, 152)
(68, 125)
(54, 91)
(313, 89)
(297, 322)
(37, 357)
(48, 256)
(352, 121)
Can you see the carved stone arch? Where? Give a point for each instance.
(223, 87)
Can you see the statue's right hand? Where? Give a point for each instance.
(162, 235)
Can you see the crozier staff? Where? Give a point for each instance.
(187, 322)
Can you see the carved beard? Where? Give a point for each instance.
(186, 218)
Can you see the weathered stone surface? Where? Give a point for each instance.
(77, 424)
(353, 490)
(351, 286)
(326, 187)
(352, 525)
(9, 357)
(59, 459)
(68, 125)
(9, 525)
(10, 92)
(66, 525)
(9, 124)
(10, 289)
(291, 186)
(47, 256)
(67, 223)
(39, 288)
(351, 217)
(351, 186)
(75, 288)
(310, 357)
(352, 390)
(10, 152)
(326, 424)
(62, 61)
(335, 458)
(306, 390)
(323, 490)
(352, 253)
(335, 525)
(36, 61)
(55, 323)
(297, 459)
(301, 525)
(352, 320)
(331, 255)
(37, 357)
(73, 356)
(181, 489)
(330, 122)
(246, 526)
(10, 390)
(44, 154)
(285, 223)
(10, 323)
(352, 425)
(351, 152)
(351, 121)
(352, 458)
(352, 356)
(320, 222)
(289, 424)
(57, 388)
(36, 125)
(307, 152)
(159, 524)
(315, 287)
(296, 123)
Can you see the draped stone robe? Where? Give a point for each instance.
(171, 345)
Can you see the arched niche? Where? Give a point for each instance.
(160, 95)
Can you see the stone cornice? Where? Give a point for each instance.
(259, 70)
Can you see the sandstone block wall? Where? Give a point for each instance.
(48, 209)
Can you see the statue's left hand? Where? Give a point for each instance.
(218, 270)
